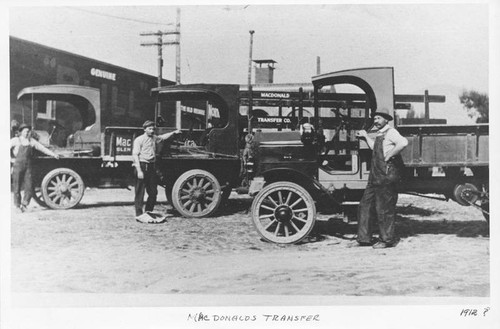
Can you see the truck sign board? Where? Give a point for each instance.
(274, 122)
(124, 144)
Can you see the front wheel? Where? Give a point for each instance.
(283, 212)
(196, 193)
(62, 188)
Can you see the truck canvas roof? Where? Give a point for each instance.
(376, 82)
(91, 94)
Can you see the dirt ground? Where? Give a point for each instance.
(100, 248)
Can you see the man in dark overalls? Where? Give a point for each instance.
(22, 148)
(380, 196)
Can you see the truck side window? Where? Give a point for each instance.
(167, 115)
(58, 118)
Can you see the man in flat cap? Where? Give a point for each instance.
(381, 191)
(144, 156)
(22, 149)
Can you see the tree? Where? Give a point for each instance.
(476, 104)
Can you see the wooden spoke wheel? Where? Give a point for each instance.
(196, 193)
(38, 196)
(283, 212)
(62, 188)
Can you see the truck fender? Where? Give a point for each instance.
(283, 174)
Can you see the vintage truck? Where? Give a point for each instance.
(294, 164)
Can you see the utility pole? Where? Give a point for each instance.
(178, 48)
(160, 43)
(250, 99)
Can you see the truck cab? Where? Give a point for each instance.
(291, 187)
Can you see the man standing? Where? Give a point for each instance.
(144, 156)
(22, 149)
(380, 196)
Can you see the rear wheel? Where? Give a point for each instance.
(467, 194)
(283, 212)
(62, 188)
(196, 193)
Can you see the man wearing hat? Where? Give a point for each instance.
(144, 155)
(21, 147)
(380, 196)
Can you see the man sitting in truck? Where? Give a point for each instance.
(144, 156)
(380, 193)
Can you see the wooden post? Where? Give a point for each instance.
(250, 98)
(301, 104)
(426, 102)
(178, 48)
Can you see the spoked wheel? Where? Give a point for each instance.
(196, 193)
(62, 188)
(468, 194)
(38, 196)
(283, 212)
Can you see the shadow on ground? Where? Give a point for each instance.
(410, 221)
(105, 204)
(230, 207)
(407, 225)
(233, 206)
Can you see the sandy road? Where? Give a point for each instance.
(99, 248)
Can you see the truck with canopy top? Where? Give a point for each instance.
(293, 164)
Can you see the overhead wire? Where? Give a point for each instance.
(119, 17)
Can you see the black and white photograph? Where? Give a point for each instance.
(253, 165)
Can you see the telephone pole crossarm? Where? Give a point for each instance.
(159, 33)
(159, 44)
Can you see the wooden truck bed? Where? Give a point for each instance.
(445, 145)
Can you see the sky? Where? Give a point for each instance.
(440, 47)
